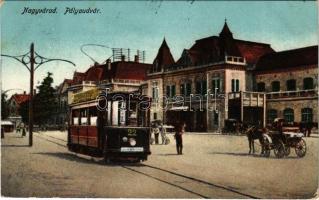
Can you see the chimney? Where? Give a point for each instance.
(24, 92)
(122, 57)
(136, 58)
(108, 64)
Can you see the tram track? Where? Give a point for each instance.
(41, 136)
(194, 186)
(187, 183)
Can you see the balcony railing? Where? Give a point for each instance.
(291, 94)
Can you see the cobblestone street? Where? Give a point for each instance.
(212, 166)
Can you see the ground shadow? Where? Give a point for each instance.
(167, 154)
(70, 157)
(252, 155)
(74, 157)
(14, 145)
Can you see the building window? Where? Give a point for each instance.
(201, 87)
(216, 84)
(170, 91)
(186, 89)
(154, 116)
(271, 115)
(289, 115)
(291, 85)
(308, 83)
(261, 87)
(155, 90)
(275, 86)
(235, 85)
(155, 66)
(306, 115)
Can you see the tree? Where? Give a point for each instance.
(44, 101)
(24, 111)
(4, 106)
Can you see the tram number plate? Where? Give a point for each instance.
(132, 149)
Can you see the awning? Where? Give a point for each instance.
(179, 108)
(6, 123)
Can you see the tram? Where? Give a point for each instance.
(111, 125)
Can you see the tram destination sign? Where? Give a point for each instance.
(85, 96)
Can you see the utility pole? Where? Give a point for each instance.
(30, 58)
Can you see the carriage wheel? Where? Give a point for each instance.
(301, 148)
(287, 150)
(279, 149)
(167, 141)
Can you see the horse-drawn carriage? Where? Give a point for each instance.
(279, 139)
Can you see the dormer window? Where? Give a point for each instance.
(234, 59)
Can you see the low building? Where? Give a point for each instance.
(290, 80)
(118, 76)
(14, 107)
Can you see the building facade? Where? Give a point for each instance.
(14, 107)
(195, 89)
(290, 80)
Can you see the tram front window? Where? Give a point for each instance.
(132, 117)
(75, 119)
(93, 116)
(84, 117)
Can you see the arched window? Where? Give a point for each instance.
(308, 83)
(289, 115)
(291, 85)
(306, 115)
(201, 87)
(275, 86)
(272, 114)
(260, 87)
(186, 88)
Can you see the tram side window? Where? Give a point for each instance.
(93, 116)
(75, 117)
(84, 117)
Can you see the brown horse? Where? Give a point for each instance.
(253, 133)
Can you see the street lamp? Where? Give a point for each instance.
(33, 59)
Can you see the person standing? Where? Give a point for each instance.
(179, 131)
(163, 133)
(156, 133)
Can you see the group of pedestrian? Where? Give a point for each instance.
(21, 128)
(158, 128)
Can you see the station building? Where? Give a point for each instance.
(217, 78)
(221, 77)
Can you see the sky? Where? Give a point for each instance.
(141, 25)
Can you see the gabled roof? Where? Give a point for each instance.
(95, 73)
(215, 48)
(164, 56)
(288, 59)
(252, 51)
(20, 98)
(78, 77)
(128, 70)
